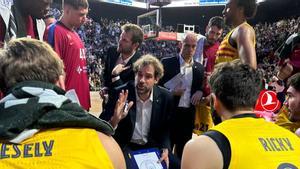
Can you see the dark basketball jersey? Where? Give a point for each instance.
(209, 58)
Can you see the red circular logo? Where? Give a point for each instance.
(269, 101)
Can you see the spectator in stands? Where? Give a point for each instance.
(290, 56)
(186, 76)
(289, 115)
(147, 124)
(19, 18)
(242, 140)
(160, 49)
(40, 126)
(270, 36)
(67, 44)
(239, 43)
(118, 62)
(208, 50)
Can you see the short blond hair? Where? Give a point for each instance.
(27, 59)
(149, 60)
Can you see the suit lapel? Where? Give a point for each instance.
(155, 107)
(195, 67)
(132, 60)
(114, 59)
(196, 76)
(126, 73)
(132, 97)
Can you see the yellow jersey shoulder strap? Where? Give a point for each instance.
(223, 144)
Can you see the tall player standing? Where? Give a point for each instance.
(66, 42)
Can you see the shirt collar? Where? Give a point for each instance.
(126, 60)
(182, 62)
(149, 99)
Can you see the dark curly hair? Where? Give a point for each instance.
(236, 85)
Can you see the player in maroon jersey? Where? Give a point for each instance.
(67, 43)
(210, 46)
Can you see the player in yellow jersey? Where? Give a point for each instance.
(242, 140)
(239, 43)
(40, 126)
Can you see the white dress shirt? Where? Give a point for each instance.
(143, 118)
(186, 69)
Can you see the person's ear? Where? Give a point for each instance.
(216, 103)
(136, 46)
(67, 9)
(156, 80)
(241, 9)
(61, 82)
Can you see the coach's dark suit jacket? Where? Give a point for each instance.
(110, 62)
(162, 110)
(172, 68)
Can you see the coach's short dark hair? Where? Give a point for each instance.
(250, 7)
(236, 85)
(294, 81)
(77, 3)
(216, 21)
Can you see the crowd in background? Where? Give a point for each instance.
(99, 36)
(269, 37)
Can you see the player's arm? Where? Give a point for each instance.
(113, 150)
(205, 150)
(245, 43)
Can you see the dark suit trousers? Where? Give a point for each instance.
(183, 125)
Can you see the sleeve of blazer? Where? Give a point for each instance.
(165, 137)
(110, 106)
(107, 70)
(121, 81)
(198, 78)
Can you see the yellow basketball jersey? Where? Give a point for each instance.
(57, 149)
(226, 52)
(283, 121)
(203, 119)
(258, 144)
